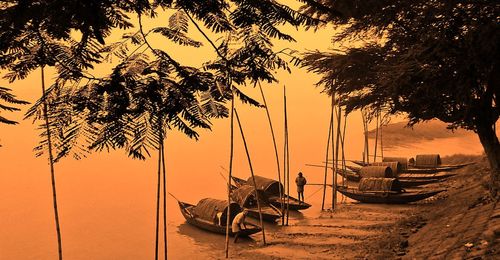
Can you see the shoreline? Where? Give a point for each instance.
(462, 222)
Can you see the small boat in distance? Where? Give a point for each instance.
(204, 216)
(384, 190)
(271, 189)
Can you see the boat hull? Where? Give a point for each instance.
(294, 203)
(423, 170)
(212, 227)
(268, 214)
(386, 198)
(406, 182)
(274, 199)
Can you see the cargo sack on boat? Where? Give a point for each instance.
(395, 166)
(245, 196)
(403, 161)
(379, 184)
(376, 172)
(266, 185)
(208, 208)
(427, 160)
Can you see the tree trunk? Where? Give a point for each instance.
(491, 146)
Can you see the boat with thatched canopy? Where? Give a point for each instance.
(272, 189)
(384, 190)
(246, 198)
(422, 164)
(406, 175)
(204, 215)
(405, 182)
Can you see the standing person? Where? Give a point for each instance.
(301, 182)
(237, 222)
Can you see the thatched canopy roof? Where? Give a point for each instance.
(427, 160)
(379, 184)
(376, 172)
(267, 185)
(244, 195)
(403, 161)
(395, 166)
(208, 208)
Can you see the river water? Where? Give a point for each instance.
(107, 201)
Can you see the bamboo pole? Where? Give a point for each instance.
(381, 140)
(334, 174)
(283, 213)
(365, 128)
(51, 162)
(231, 153)
(339, 114)
(275, 148)
(326, 161)
(377, 122)
(253, 176)
(164, 196)
(343, 149)
(158, 190)
(286, 158)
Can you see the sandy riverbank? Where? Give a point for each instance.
(462, 222)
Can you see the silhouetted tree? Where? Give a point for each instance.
(427, 59)
(39, 34)
(148, 92)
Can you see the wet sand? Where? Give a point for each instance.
(462, 222)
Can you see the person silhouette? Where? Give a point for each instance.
(301, 182)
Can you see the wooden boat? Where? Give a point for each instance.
(384, 190)
(422, 167)
(386, 197)
(414, 173)
(405, 182)
(272, 189)
(245, 197)
(204, 216)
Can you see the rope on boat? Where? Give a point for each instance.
(314, 193)
(174, 197)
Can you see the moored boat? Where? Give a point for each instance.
(246, 198)
(271, 189)
(415, 173)
(204, 216)
(386, 197)
(424, 163)
(405, 182)
(384, 190)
